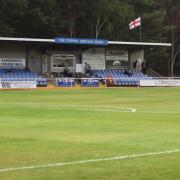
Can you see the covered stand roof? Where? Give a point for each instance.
(109, 43)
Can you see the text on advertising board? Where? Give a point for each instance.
(100, 42)
(12, 63)
(65, 82)
(18, 84)
(90, 83)
(160, 83)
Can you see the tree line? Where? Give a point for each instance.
(107, 19)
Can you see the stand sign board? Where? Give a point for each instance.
(66, 82)
(100, 42)
(160, 83)
(18, 84)
(12, 63)
(90, 83)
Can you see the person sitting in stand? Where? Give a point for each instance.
(87, 68)
(67, 72)
(27, 69)
(128, 73)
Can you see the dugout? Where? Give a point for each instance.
(51, 55)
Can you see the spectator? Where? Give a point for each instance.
(67, 72)
(135, 65)
(87, 68)
(27, 69)
(139, 65)
(128, 73)
(143, 65)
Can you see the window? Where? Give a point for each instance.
(116, 59)
(62, 60)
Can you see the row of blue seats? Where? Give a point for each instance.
(21, 75)
(129, 82)
(117, 74)
(121, 77)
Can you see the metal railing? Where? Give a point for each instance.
(153, 73)
(103, 82)
(118, 82)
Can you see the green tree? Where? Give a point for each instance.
(172, 8)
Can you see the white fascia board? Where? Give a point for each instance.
(139, 43)
(26, 39)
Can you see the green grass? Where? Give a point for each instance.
(44, 127)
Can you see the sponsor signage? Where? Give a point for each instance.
(160, 83)
(12, 63)
(99, 42)
(117, 59)
(148, 83)
(18, 84)
(66, 82)
(117, 55)
(90, 83)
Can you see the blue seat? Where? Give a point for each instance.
(124, 79)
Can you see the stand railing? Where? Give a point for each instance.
(102, 82)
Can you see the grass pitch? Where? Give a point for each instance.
(49, 127)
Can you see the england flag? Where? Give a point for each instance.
(135, 23)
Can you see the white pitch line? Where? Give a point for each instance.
(77, 107)
(89, 108)
(86, 107)
(95, 110)
(159, 112)
(89, 161)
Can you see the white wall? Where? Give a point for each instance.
(34, 59)
(95, 57)
(45, 59)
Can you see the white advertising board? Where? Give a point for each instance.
(160, 83)
(18, 84)
(12, 62)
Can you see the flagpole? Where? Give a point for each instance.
(140, 35)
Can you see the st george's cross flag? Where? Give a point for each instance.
(135, 23)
